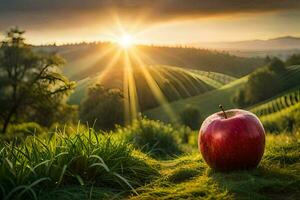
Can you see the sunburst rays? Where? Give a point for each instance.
(128, 60)
(130, 90)
(154, 87)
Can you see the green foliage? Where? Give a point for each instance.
(256, 90)
(30, 82)
(191, 117)
(103, 108)
(90, 165)
(152, 137)
(42, 164)
(21, 131)
(58, 112)
(293, 60)
(267, 82)
(276, 65)
(239, 98)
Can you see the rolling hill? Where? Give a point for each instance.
(280, 112)
(174, 83)
(207, 103)
(200, 70)
(87, 59)
(278, 103)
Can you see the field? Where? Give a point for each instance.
(206, 103)
(82, 164)
(277, 103)
(174, 82)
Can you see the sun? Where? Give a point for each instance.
(126, 41)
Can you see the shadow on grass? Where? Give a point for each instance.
(265, 182)
(82, 192)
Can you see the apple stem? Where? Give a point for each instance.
(222, 108)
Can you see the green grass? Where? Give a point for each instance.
(42, 164)
(153, 137)
(221, 79)
(206, 103)
(86, 165)
(188, 177)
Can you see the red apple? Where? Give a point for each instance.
(232, 140)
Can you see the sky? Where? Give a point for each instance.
(164, 22)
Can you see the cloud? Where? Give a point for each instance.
(64, 13)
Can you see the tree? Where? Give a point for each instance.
(256, 89)
(239, 97)
(29, 81)
(276, 65)
(293, 60)
(103, 108)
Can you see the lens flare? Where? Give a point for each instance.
(126, 41)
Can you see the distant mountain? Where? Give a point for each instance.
(280, 43)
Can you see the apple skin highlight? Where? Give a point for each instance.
(235, 143)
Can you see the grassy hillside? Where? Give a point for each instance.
(276, 104)
(174, 83)
(206, 103)
(281, 112)
(291, 78)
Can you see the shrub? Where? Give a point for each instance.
(153, 137)
(39, 164)
(191, 117)
(103, 108)
(21, 131)
(276, 65)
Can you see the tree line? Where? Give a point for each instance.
(267, 81)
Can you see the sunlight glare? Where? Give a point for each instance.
(126, 41)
